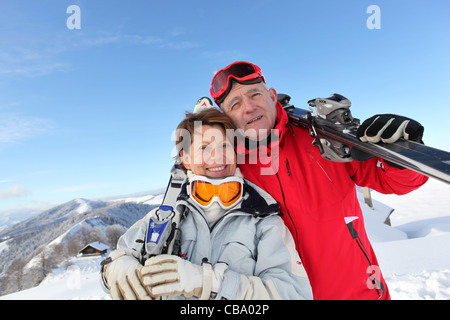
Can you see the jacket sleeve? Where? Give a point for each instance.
(279, 272)
(126, 247)
(376, 174)
(136, 232)
(127, 244)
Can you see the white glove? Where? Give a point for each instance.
(168, 275)
(122, 277)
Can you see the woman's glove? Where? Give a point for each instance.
(168, 275)
(122, 278)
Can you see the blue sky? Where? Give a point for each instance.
(90, 112)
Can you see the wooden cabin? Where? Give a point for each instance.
(96, 248)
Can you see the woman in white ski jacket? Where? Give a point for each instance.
(234, 247)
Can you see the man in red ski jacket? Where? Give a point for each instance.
(317, 197)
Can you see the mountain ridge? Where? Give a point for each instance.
(26, 239)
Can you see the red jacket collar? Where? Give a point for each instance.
(282, 119)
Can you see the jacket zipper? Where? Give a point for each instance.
(284, 201)
(378, 284)
(288, 168)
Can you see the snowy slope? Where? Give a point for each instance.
(24, 239)
(77, 279)
(419, 266)
(413, 253)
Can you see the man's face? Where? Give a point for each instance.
(252, 108)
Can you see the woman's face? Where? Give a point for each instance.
(210, 154)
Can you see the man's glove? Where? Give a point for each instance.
(168, 275)
(388, 128)
(122, 277)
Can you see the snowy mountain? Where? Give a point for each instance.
(29, 240)
(11, 217)
(412, 253)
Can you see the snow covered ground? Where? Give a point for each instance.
(413, 253)
(419, 266)
(77, 279)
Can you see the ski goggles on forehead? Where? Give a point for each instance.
(227, 191)
(241, 71)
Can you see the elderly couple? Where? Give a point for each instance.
(297, 233)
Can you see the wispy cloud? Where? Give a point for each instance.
(33, 70)
(15, 128)
(157, 42)
(14, 191)
(37, 56)
(30, 57)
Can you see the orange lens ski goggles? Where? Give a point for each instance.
(205, 191)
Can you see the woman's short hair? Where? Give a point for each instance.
(209, 117)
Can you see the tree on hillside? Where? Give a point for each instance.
(14, 276)
(45, 263)
(113, 233)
